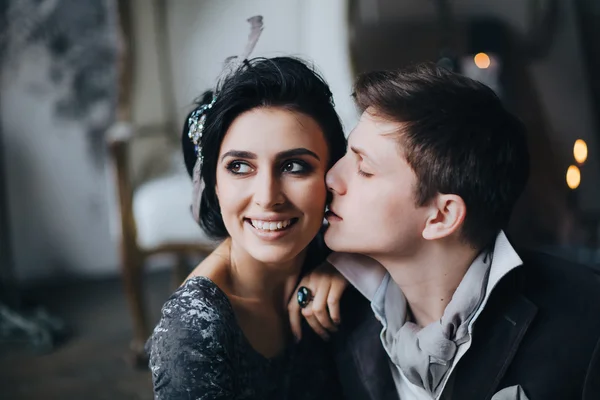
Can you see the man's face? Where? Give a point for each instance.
(373, 211)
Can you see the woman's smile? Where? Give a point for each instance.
(271, 229)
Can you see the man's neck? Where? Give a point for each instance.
(429, 278)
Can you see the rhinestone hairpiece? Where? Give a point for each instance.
(196, 126)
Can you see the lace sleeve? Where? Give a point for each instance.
(189, 352)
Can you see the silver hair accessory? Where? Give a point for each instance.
(196, 126)
(197, 118)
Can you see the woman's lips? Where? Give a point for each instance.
(264, 231)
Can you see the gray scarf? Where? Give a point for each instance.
(425, 355)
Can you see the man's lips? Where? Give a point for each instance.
(330, 215)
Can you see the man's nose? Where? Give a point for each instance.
(334, 178)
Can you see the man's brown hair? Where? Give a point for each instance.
(457, 137)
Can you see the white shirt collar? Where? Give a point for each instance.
(368, 276)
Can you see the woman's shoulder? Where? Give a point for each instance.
(192, 349)
(197, 316)
(198, 302)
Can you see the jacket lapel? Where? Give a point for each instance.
(372, 362)
(361, 360)
(496, 338)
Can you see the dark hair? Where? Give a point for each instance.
(283, 82)
(457, 137)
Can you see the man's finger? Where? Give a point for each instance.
(319, 306)
(314, 322)
(333, 299)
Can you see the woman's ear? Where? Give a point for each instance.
(217, 192)
(448, 212)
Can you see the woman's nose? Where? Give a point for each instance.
(268, 193)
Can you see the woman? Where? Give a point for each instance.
(269, 137)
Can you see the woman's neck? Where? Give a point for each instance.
(254, 280)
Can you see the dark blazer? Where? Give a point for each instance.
(540, 329)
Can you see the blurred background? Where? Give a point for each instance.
(95, 230)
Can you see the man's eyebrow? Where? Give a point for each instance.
(363, 154)
(357, 150)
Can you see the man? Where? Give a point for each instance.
(447, 308)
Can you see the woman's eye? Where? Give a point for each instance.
(238, 167)
(294, 167)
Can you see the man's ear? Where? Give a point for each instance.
(447, 214)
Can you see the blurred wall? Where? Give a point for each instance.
(562, 83)
(203, 33)
(52, 118)
(57, 197)
(63, 212)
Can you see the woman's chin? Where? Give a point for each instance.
(273, 255)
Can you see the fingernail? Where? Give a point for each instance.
(336, 321)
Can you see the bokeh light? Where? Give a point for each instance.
(580, 151)
(573, 177)
(482, 60)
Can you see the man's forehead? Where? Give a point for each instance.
(372, 126)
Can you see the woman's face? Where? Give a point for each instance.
(271, 182)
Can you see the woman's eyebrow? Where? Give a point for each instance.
(239, 154)
(301, 151)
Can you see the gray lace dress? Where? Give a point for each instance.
(198, 351)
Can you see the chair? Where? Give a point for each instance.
(155, 219)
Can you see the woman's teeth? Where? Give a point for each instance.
(270, 225)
